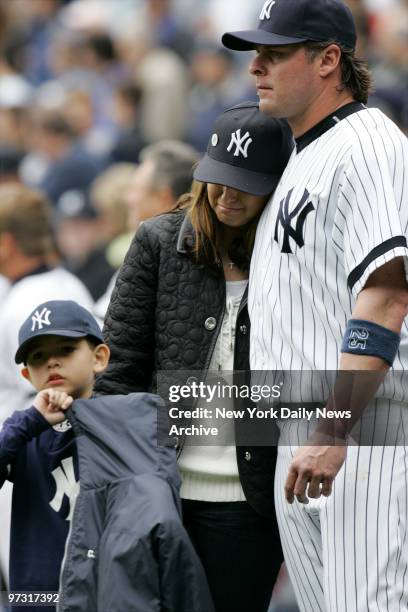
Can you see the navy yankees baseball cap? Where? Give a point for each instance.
(56, 318)
(289, 22)
(247, 150)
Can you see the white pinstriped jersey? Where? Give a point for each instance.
(339, 212)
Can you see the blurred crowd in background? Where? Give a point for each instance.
(85, 85)
(93, 91)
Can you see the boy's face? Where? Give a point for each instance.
(66, 364)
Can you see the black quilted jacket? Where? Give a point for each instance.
(165, 314)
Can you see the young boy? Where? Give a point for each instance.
(61, 346)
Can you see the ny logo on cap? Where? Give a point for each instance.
(266, 10)
(41, 318)
(241, 143)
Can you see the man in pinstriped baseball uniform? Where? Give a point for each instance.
(328, 291)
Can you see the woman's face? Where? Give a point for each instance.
(233, 207)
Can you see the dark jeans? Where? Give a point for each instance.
(240, 551)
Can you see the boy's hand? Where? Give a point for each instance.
(52, 404)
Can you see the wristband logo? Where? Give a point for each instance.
(358, 338)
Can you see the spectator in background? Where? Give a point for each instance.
(126, 113)
(16, 95)
(214, 89)
(163, 176)
(69, 166)
(100, 57)
(10, 159)
(154, 188)
(27, 256)
(34, 29)
(389, 61)
(79, 110)
(164, 79)
(80, 243)
(167, 31)
(108, 197)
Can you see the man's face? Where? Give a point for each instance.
(142, 199)
(286, 80)
(66, 364)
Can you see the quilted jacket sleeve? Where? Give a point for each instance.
(129, 328)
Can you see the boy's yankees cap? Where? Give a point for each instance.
(56, 318)
(289, 22)
(247, 150)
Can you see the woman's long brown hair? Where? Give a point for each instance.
(206, 247)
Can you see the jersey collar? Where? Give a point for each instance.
(326, 124)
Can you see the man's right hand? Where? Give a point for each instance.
(52, 404)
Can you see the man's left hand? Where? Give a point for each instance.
(312, 471)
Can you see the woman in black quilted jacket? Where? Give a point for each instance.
(180, 303)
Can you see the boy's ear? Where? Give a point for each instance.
(25, 373)
(101, 358)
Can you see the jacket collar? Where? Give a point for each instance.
(186, 235)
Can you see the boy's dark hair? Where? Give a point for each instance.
(92, 342)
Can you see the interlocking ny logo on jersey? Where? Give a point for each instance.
(66, 484)
(41, 318)
(285, 218)
(266, 10)
(241, 143)
(358, 338)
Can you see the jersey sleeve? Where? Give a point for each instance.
(20, 428)
(371, 220)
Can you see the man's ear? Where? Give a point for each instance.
(25, 373)
(101, 358)
(330, 60)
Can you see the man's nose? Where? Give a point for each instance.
(256, 67)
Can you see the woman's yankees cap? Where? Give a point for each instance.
(289, 22)
(56, 318)
(247, 150)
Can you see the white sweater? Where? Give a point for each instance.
(210, 473)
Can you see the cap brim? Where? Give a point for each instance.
(211, 171)
(247, 40)
(23, 349)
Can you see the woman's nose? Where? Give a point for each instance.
(228, 193)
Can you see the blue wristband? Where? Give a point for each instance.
(367, 338)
